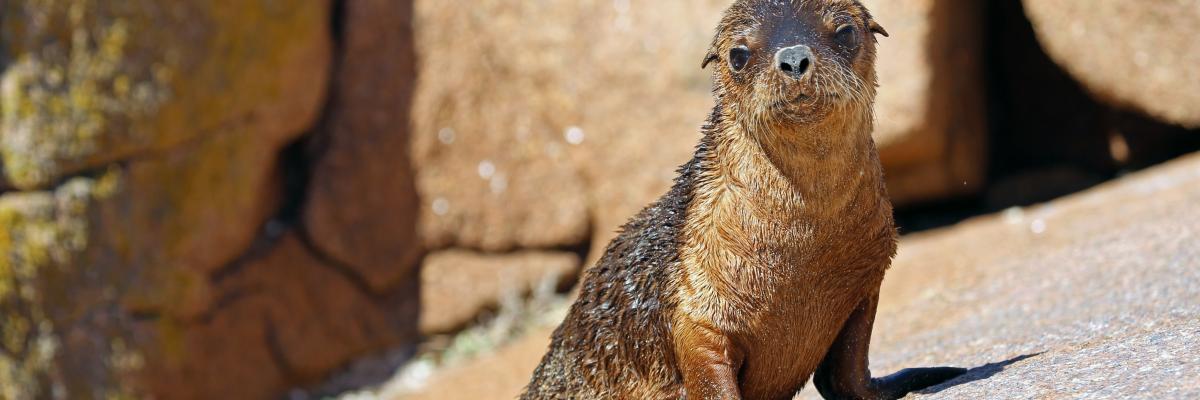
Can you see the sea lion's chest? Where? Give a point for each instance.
(750, 257)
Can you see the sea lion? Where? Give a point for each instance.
(762, 264)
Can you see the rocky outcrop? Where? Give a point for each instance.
(139, 238)
(1138, 55)
(89, 82)
(156, 243)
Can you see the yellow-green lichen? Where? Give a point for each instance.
(93, 81)
(60, 96)
(41, 236)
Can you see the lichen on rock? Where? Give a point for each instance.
(92, 82)
(41, 235)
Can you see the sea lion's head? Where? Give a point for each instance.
(788, 63)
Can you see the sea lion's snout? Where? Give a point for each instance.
(795, 61)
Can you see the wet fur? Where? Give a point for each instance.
(769, 238)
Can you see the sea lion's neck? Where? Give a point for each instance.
(832, 163)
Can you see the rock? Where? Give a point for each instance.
(42, 233)
(530, 145)
(146, 137)
(91, 82)
(457, 285)
(1046, 119)
(283, 319)
(138, 239)
(1138, 55)
(361, 206)
(1104, 278)
(931, 127)
(1092, 295)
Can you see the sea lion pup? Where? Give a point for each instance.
(762, 264)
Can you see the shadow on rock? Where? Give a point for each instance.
(978, 373)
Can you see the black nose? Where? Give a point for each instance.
(794, 61)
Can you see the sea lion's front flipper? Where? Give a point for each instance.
(844, 374)
(708, 362)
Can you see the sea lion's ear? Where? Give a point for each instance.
(710, 57)
(713, 51)
(875, 27)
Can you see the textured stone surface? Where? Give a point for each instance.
(141, 238)
(1093, 295)
(284, 318)
(457, 285)
(91, 314)
(558, 129)
(362, 204)
(1140, 55)
(90, 82)
(141, 258)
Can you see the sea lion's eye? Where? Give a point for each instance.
(738, 57)
(846, 35)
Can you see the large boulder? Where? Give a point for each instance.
(151, 248)
(141, 240)
(92, 82)
(1140, 55)
(546, 135)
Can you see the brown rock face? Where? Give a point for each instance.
(141, 238)
(456, 284)
(362, 204)
(152, 252)
(1135, 54)
(603, 99)
(931, 128)
(281, 319)
(92, 82)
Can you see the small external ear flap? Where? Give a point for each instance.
(875, 27)
(710, 57)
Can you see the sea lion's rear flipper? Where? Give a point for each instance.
(844, 374)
